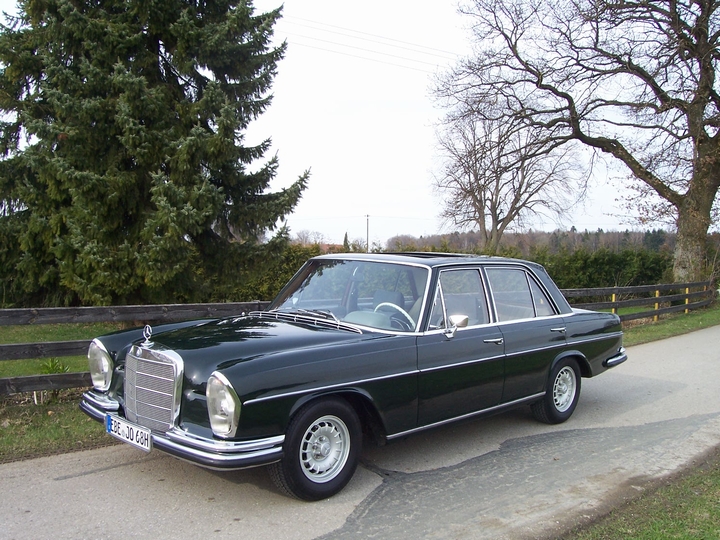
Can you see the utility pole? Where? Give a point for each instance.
(367, 217)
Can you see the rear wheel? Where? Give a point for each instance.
(561, 394)
(320, 453)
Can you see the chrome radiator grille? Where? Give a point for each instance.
(153, 381)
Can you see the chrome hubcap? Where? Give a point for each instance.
(564, 389)
(321, 448)
(324, 449)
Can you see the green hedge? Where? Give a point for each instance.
(266, 281)
(570, 270)
(582, 269)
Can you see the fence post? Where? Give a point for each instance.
(657, 307)
(614, 299)
(687, 299)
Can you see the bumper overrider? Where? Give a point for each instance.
(209, 453)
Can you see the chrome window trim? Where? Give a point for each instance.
(494, 324)
(373, 330)
(528, 319)
(464, 329)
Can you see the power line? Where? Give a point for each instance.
(447, 55)
(388, 43)
(362, 49)
(369, 58)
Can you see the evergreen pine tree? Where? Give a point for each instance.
(125, 177)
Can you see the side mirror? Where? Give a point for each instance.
(459, 321)
(456, 321)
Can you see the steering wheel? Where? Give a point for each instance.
(400, 310)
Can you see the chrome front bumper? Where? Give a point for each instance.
(209, 453)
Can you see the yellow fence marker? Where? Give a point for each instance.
(657, 306)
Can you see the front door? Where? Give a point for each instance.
(460, 355)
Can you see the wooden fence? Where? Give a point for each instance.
(157, 314)
(675, 297)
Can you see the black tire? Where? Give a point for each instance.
(561, 395)
(321, 450)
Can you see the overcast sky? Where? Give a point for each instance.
(352, 104)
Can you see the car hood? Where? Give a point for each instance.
(225, 343)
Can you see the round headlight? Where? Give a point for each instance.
(101, 366)
(223, 405)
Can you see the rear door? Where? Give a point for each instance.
(533, 331)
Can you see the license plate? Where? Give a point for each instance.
(128, 432)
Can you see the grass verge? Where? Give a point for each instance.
(684, 507)
(675, 324)
(45, 423)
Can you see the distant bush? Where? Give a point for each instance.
(582, 269)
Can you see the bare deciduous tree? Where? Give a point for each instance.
(497, 175)
(306, 237)
(636, 80)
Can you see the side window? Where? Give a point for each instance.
(459, 292)
(517, 296)
(510, 289)
(543, 307)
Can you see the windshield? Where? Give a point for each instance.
(379, 295)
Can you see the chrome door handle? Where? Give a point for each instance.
(496, 341)
(561, 330)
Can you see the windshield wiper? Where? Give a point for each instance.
(324, 313)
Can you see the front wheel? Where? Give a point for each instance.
(321, 450)
(561, 394)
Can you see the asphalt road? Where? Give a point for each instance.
(502, 477)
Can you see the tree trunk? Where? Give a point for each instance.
(693, 223)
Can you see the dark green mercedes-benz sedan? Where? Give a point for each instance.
(356, 345)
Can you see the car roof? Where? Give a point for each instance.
(426, 258)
